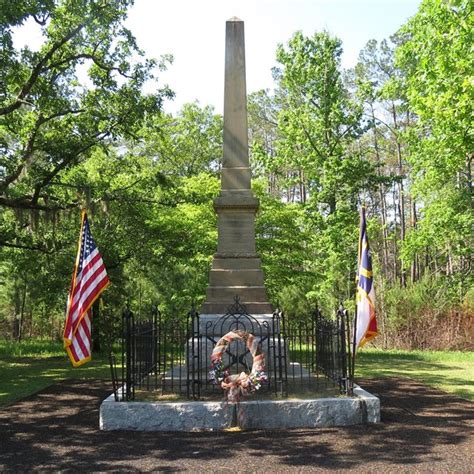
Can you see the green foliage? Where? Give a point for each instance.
(188, 144)
(50, 121)
(409, 303)
(37, 348)
(303, 144)
(154, 225)
(436, 56)
(76, 130)
(429, 314)
(319, 120)
(283, 241)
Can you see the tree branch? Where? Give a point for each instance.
(311, 141)
(25, 90)
(30, 146)
(37, 248)
(60, 166)
(42, 64)
(26, 202)
(96, 61)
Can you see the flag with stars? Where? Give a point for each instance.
(366, 324)
(89, 280)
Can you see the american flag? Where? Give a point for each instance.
(89, 280)
(366, 324)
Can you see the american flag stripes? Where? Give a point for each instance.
(365, 323)
(89, 280)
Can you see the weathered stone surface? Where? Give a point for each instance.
(370, 405)
(316, 413)
(217, 325)
(236, 205)
(236, 232)
(254, 414)
(236, 277)
(222, 262)
(235, 178)
(238, 200)
(220, 308)
(235, 99)
(227, 293)
(204, 347)
(141, 416)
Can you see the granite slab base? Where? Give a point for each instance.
(362, 408)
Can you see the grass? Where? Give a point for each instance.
(450, 371)
(30, 366)
(31, 348)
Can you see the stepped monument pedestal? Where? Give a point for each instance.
(236, 272)
(236, 267)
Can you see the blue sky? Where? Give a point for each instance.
(194, 32)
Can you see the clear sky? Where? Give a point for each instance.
(194, 32)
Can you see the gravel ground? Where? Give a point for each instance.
(422, 430)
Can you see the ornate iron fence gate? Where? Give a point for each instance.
(172, 356)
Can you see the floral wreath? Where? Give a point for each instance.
(243, 383)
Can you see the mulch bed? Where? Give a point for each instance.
(422, 430)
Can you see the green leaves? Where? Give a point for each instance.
(49, 121)
(436, 56)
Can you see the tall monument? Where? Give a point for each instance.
(236, 267)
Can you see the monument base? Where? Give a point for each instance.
(362, 408)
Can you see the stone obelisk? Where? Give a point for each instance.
(236, 267)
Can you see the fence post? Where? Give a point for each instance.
(128, 327)
(280, 347)
(156, 318)
(113, 372)
(341, 316)
(350, 374)
(193, 362)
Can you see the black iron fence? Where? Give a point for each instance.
(139, 345)
(172, 357)
(207, 332)
(332, 344)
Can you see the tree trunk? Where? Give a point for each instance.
(401, 199)
(22, 312)
(413, 270)
(395, 237)
(16, 317)
(30, 335)
(383, 205)
(332, 205)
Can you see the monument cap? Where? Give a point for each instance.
(234, 18)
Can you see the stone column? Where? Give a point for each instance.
(236, 268)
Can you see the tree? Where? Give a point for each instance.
(436, 58)
(50, 120)
(318, 125)
(320, 120)
(379, 83)
(152, 219)
(263, 109)
(188, 144)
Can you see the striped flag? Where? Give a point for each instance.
(89, 280)
(365, 323)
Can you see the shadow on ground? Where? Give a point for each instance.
(421, 429)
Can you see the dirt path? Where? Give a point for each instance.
(422, 430)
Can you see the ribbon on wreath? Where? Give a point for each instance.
(238, 385)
